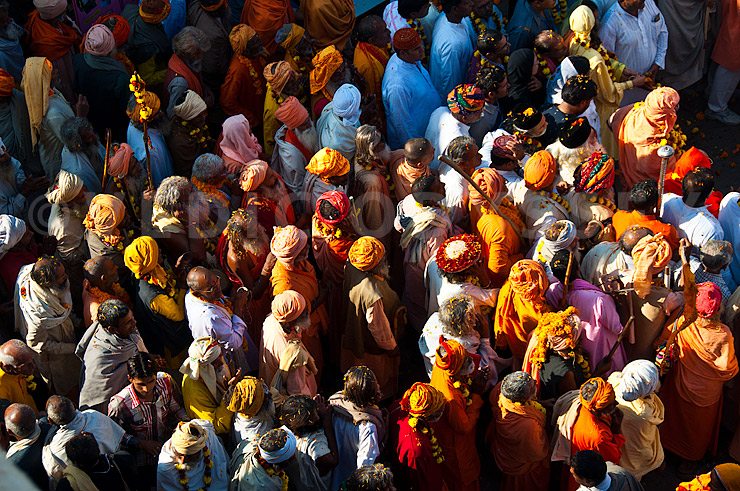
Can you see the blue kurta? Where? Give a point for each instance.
(161, 160)
(525, 24)
(452, 48)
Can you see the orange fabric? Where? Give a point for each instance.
(540, 170)
(501, 245)
(181, 69)
(404, 175)
(622, 220)
(370, 61)
(691, 159)
(728, 39)
(329, 21)
(267, 17)
(7, 83)
(603, 397)
(50, 41)
(650, 255)
(243, 90)
(592, 433)
(366, 253)
(325, 63)
(330, 252)
(700, 483)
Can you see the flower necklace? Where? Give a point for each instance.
(420, 425)
(463, 387)
(483, 60)
(253, 75)
(542, 62)
(609, 58)
(168, 286)
(209, 241)
(335, 232)
(30, 384)
(183, 475)
(605, 202)
(212, 192)
(480, 26)
(527, 140)
(272, 472)
(555, 197)
(533, 404)
(198, 135)
(101, 296)
(134, 205)
(372, 167)
(415, 24)
(559, 11)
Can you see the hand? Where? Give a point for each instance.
(34, 184)
(148, 194)
(322, 407)
(639, 81)
(684, 250)
(534, 84)
(151, 447)
(628, 74)
(236, 378)
(562, 188)
(239, 301)
(269, 264)
(517, 148)
(82, 107)
(160, 361)
(653, 71)
(480, 379)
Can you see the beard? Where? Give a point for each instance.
(7, 173)
(309, 138)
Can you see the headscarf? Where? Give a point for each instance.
(12, 230)
(192, 107)
(7, 83)
(199, 363)
(346, 104)
(291, 113)
(119, 163)
(490, 182)
(278, 74)
(708, 299)
(105, 214)
(239, 37)
(406, 38)
(528, 279)
(638, 379)
(141, 256)
(253, 175)
(65, 189)
(465, 99)
(338, 200)
(289, 36)
(99, 41)
(422, 400)
(151, 100)
(691, 159)
(287, 242)
(282, 454)
(50, 9)
(581, 22)
(518, 387)
(328, 163)
(650, 255)
(659, 111)
(540, 170)
(248, 396)
(566, 236)
(121, 28)
(459, 253)
(238, 142)
(366, 253)
(453, 358)
(603, 397)
(325, 63)
(154, 11)
(189, 438)
(36, 85)
(287, 306)
(595, 174)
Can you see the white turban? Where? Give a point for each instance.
(546, 249)
(192, 107)
(199, 363)
(12, 230)
(65, 189)
(638, 379)
(50, 9)
(346, 103)
(282, 454)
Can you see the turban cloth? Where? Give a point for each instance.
(119, 163)
(422, 400)
(141, 256)
(346, 103)
(366, 253)
(459, 253)
(651, 255)
(253, 175)
(603, 397)
(154, 11)
(291, 113)
(566, 236)
(199, 363)
(595, 173)
(328, 163)
(99, 41)
(638, 379)
(248, 396)
(287, 242)
(12, 230)
(453, 358)
(278, 74)
(287, 306)
(500, 148)
(105, 214)
(581, 22)
(289, 36)
(338, 200)
(238, 142)
(574, 134)
(7, 83)
(50, 9)
(118, 26)
(518, 386)
(528, 279)
(282, 454)
(65, 189)
(189, 438)
(660, 110)
(325, 63)
(465, 99)
(406, 39)
(192, 107)
(240, 36)
(151, 100)
(708, 299)
(526, 117)
(36, 85)
(540, 170)
(691, 159)
(490, 182)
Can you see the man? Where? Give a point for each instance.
(643, 200)
(592, 199)
(452, 46)
(418, 153)
(15, 130)
(328, 170)
(17, 248)
(27, 437)
(329, 23)
(189, 46)
(550, 50)
(175, 202)
(577, 95)
(530, 18)
(282, 82)
(11, 52)
(494, 83)
(188, 136)
(149, 47)
(243, 90)
(339, 121)
(612, 258)
(194, 455)
(15, 188)
(533, 129)
(576, 142)
(298, 48)
(212, 17)
(104, 231)
(329, 72)
(486, 15)
(267, 17)
(727, 74)
(590, 471)
(43, 306)
(83, 155)
(17, 368)
(105, 349)
(502, 152)
(370, 59)
(409, 97)
(296, 142)
(88, 464)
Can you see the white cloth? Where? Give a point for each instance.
(439, 289)
(442, 128)
(12, 202)
(637, 379)
(12, 230)
(539, 212)
(606, 258)
(729, 219)
(24, 443)
(429, 341)
(65, 225)
(555, 85)
(570, 158)
(357, 445)
(250, 429)
(210, 320)
(697, 225)
(639, 42)
(450, 55)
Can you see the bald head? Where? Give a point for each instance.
(16, 358)
(632, 236)
(204, 283)
(20, 420)
(60, 410)
(101, 272)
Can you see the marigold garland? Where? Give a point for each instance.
(542, 62)
(464, 387)
(418, 424)
(99, 296)
(272, 472)
(559, 11)
(134, 204)
(183, 475)
(555, 197)
(603, 201)
(138, 87)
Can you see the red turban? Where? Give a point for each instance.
(338, 200)
(458, 253)
(291, 113)
(406, 39)
(118, 26)
(708, 299)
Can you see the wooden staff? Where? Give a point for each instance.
(148, 156)
(665, 153)
(566, 282)
(625, 329)
(107, 156)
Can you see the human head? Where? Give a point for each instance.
(191, 107)
(413, 9)
(204, 354)
(188, 441)
(708, 300)
(83, 451)
(13, 234)
(279, 74)
(697, 186)
(540, 171)
(575, 134)
(502, 157)
(209, 168)
(632, 236)
(173, 195)
(466, 102)
(299, 413)
(588, 468)
(346, 103)
(292, 114)
(457, 8)
(650, 255)
(725, 477)
(116, 318)
(491, 183)
(423, 401)
(361, 387)
(595, 174)
(204, 283)
(493, 81)
(638, 379)
(105, 214)
(249, 396)
(16, 358)
(154, 11)
(325, 64)
(50, 9)
(519, 387)
(457, 315)
(142, 373)
(60, 410)
(559, 265)
(253, 175)
(428, 190)
(289, 308)
(118, 26)
(370, 147)
(459, 254)
(597, 396)
(489, 41)
(716, 255)
(644, 196)
(453, 359)
(150, 101)
(20, 421)
(245, 41)
(463, 151)
(582, 21)
(329, 165)
(578, 91)
(529, 120)
(372, 29)
(376, 477)
(292, 38)
(408, 45)
(99, 41)
(367, 253)
(190, 44)
(78, 133)
(49, 272)
(551, 44)
(277, 446)
(288, 245)
(418, 152)
(120, 162)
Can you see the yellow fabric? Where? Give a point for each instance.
(642, 451)
(700, 483)
(141, 256)
(36, 85)
(293, 38)
(78, 479)
(422, 400)
(170, 308)
(366, 253)
(105, 214)
(270, 123)
(328, 163)
(325, 63)
(248, 396)
(14, 388)
(239, 37)
(200, 404)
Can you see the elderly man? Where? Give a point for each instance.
(105, 349)
(328, 170)
(558, 236)
(296, 141)
(83, 154)
(452, 46)
(43, 307)
(104, 234)
(17, 368)
(175, 202)
(612, 259)
(243, 90)
(299, 50)
(254, 409)
(329, 72)
(149, 48)
(27, 437)
(339, 121)
(183, 70)
(194, 455)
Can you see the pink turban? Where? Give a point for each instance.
(253, 175)
(119, 162)
(490, 182)
(288, 306)
(660, 109)
(291, 113)
(99, 41)
(708, 299)
(238, 142)
(287, 242)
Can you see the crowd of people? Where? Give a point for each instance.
(275, 245)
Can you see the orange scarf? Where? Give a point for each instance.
(183, 70)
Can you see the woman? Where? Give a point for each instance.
(237, 145)
(522, 71)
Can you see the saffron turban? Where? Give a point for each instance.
(660, 110)
(99, 40)
(338, 200)
(459, 253)
(490, 182)
(595, 173)
(12, 230)
(142, 256)
(199, 363)
(282, 454)
(287, 242)
(528, 279)
(119, 163)
(328, 163)
(253, 175)
(278, 74)
(7, 83)
(708, 299)
(465, 99)
(346, 103)
(240, 36)
(50, 9)
(65, 189)
(518, 386)
(603, 397)
(638, 379)
(105, 214)
(248, 396)
(154, 11)
(189, 438)
(574, 134)
(406, 39)
(325, 63)
(650, 255)
(540, 170)
(291, 113)
(422, 400)
(192, 107)
(287, 306)
(366, 253)
(118, 26)
(289, 36)
(450, 355)
(151, 100)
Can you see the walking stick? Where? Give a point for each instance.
(107, 156)
(138, 87)
(566, 282)
(625, 329)
(147, 142)
(665, 153)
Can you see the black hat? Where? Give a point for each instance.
(525, 117)
(575, 133)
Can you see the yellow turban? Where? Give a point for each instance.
(240, 36)
(189, 438)
(142, 258)
(293, 37)
(540, 170)
(105, 214)
(278, 74)
(328, 163)
(325, 63)
(650, 255)
(581, 22)
(65, 189)
(422, 400)
(248, 396)
(151, 100)
(366, 253)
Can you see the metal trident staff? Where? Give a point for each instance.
(665, 153)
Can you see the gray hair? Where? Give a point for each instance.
(173, 194)
(60, 410)
(518, 387)
(457, 148)
(716, 254)
(24, 423)
(457, 314)
(208, 167)
(366, 138)
(70, 133)
(190, 43)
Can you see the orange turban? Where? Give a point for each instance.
(118, 26)
(490, 182)
(328, 163)
(253, 175)
(540, 170)
(603, 397)
(366, 253)
(105, 214)
(453, 358)
(325, 63)
(151, 100)
(291, 113)
(287, 242)
(7, 83)
(422, 400)
(278, 74)
(120, 161)
(288, 306)
(528, 279)
(239, 36)
(651, 255)
(289, 36)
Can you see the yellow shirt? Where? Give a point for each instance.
(200, 404)
(14, 388)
